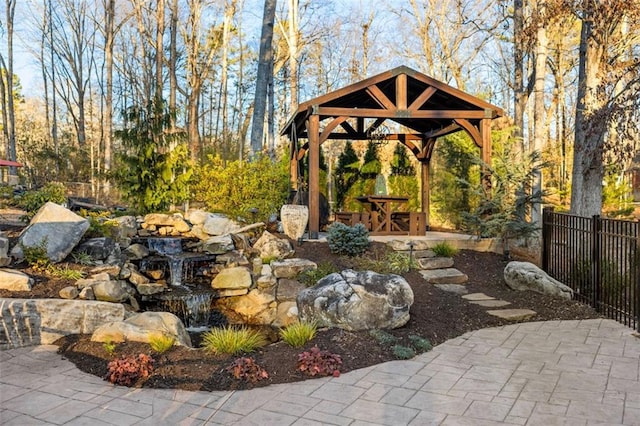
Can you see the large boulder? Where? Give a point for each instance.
(357, 301)
(291, 268)
(237, 278)
(217, 224)
(99, 248)
(171, 220)
(15, 280)
(270, 246)
(58, 227)
(143, 327)
(5, 259)
(125, 226)
(527, 276)
(113, 291)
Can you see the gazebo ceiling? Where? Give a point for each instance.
(414, 100)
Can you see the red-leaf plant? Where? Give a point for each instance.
(319, 363)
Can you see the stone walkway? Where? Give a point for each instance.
(540, 373)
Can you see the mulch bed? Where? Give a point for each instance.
(435, 315)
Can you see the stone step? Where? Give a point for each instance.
(444, 276)
(490, 303)
(435, 262)
(452, 288)
(512, 314)
(477, 296)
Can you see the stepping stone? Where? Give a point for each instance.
(512, 314)
(435, 262)
(444, 276)
(478, 296)
(452, 288)
(490, 303)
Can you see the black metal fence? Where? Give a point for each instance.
(599, 259)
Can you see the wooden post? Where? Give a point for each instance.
(314, 176)
(424, 172)
(485, 134)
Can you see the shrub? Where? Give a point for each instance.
(229, 340)
(319, 363)
(236, 187)
(382, 337)
(127, 370)
(110, 347)
(312, 276)
(444, 249)
(31, 201)
(298, 333)
(65, 272)
(403, 352)
(36, 256)
(99, 224)
(247, 369)
(348, 240)
(392, 262)
(161, 342)
(419, 343)
(82, 258)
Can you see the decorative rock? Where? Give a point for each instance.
(232, 258)
(217, 224)
(435, 262)
(112, 291)
(136, 252)
(5, 259)
(357, 301)
(527, 276)
(99, 248)
(196, 216)
(290, 268)
(265, 282)
(141, 327)
(198, 232)
(42, 321)
(93, 280)
(512, 314)
(233, 292)
(444, 276)
(126, 227)
(490, 303)
(270, 246)
(286, 314)
(155, 274)
(288, 289)
(136, 278)
(70, 293)
(294, 220)
(217, 245)
(15, 280)
(421, 254)
(87, 294)
(452, 288)
(59, 227)
(232, 279)
(257, 307)
(147, 289)
(113, 271)
(167, 220)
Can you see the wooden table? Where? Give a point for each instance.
(382, 207)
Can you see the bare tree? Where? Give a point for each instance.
(6, 89)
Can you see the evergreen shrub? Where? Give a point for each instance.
(348, 240)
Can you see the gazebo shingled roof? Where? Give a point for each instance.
(425, 109)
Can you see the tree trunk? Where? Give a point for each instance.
(588, 169)
(108, 110)
(262, 80)
(539, 117)
(173, 56)
(518, 79)
(11, 117)
(159, 50)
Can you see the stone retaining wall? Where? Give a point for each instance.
(28, 322)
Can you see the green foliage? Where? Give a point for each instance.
(109, 347)
(235, 187)
(299, 333)
(31, 201)
(312, 276)
(316, 362)
(348, 240)
(65, 272)
(453, 171)
(154, 170)
(82, 258)
(36, 256)
(400, 163)
(346, 174)
(126, 371)
(403, 352)
(444, 249)
(161, 342)
(230, 340)
(392, 262)
(246, 368)
(100, 224)
(503, 209)
(419, 343)
(382, 337)
(617, 198)
(406, 186)
(371, 165)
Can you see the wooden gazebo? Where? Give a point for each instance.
(420, 110)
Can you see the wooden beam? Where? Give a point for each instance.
(424, 97)
(382, 100)
(471, 130)
(404, 113)
(330, 127)
(314, 176)
(374, 126)
(442, 132)
(401, 91)
(346, 126)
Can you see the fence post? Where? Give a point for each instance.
(596, 226)
(547, 229)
